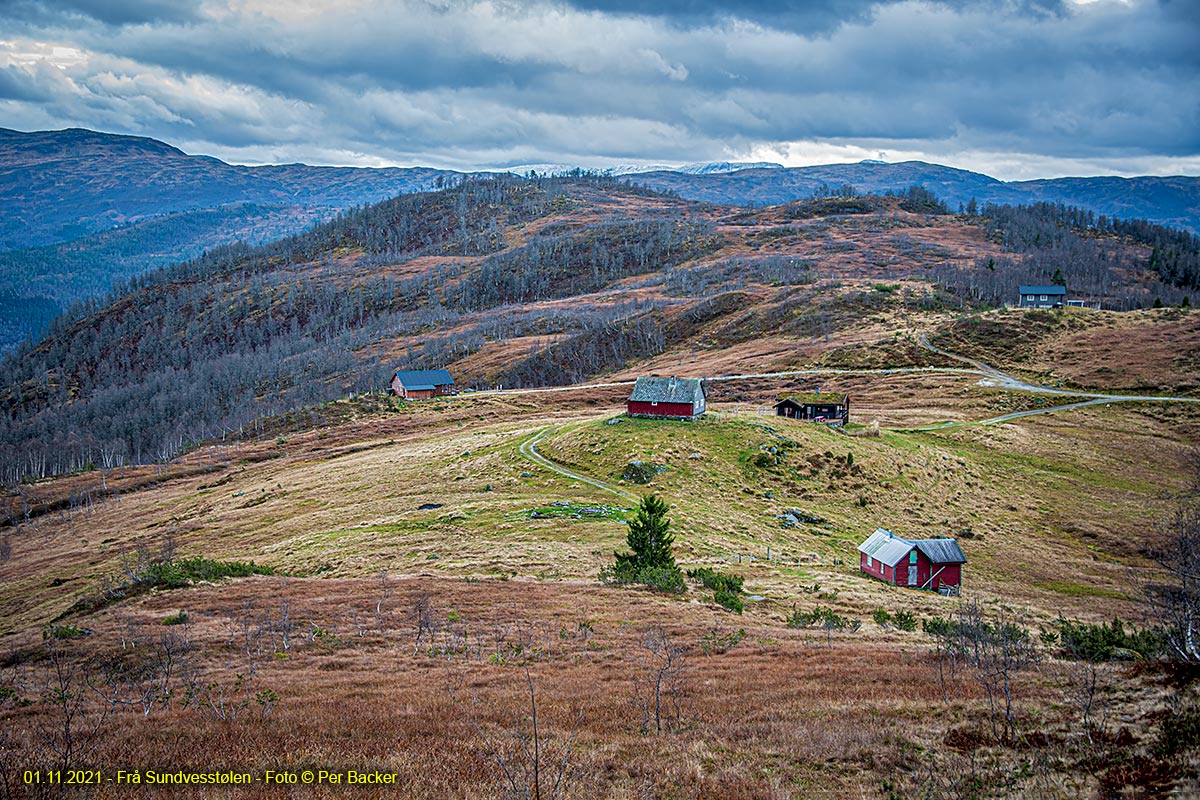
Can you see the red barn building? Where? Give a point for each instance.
(667, 398)
(421, 384)
(934, 564)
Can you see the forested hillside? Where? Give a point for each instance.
(58, 275)
(524, 283)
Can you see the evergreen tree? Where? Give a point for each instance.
(651, 562)
(649, 538)
(1058, 279)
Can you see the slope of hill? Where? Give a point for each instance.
(58, 186)
(434, 586)
(519, 283)
(428, 575)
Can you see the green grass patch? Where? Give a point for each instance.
(164, 573)
(568, 510)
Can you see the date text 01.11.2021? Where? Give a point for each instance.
(68, 777)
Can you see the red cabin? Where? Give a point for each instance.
(934, 564)
(667, 398)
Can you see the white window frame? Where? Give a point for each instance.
(1043, 297)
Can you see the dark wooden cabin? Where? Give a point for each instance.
(934, 564)
(832, 409)
(1042, 296)
(667, 398)
(421, 384)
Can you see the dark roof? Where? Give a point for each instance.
(941, 551)
(809, 398)
(417, 379)
(1043, 290)
(887, 547)
(668, 390)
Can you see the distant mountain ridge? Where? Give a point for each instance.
(58, 186)
(1173, 200)
(699, 168)
(80, 209)
(61, 185)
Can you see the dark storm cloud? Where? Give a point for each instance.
(473, 83)
(16, 84)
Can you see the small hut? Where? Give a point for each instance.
(832, 409)
(421, 384)
(934, 564)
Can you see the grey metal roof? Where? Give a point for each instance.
(1043, 290)
(886, 547)
(668, 390)
(417, 379)
(941, 551)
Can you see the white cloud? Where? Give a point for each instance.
(1103, 85)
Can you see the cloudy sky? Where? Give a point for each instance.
(1013, 88)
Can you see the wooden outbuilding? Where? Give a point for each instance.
(421, 384)
(934, 564)
(832, 409)
(667, 398)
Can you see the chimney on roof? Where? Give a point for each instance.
(671, 385)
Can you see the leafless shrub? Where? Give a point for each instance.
(1088, 688)
(76, 709)
(229, 701)
(421, 614)
(994, 649)
(528, 763)
(383, 616)
(1175, 604)
(661, 681)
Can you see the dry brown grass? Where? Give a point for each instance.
(779, 714)
(1154, 351)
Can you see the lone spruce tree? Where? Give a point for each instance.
(650, 539)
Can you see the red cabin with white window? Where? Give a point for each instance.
(667, 398)
(934, 564)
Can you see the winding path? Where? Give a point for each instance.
(529, 450)
(989, 377)
(994, 378)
